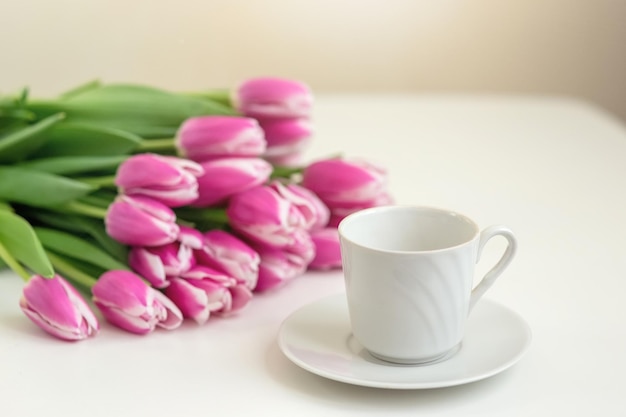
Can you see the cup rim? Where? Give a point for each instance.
(392, 207)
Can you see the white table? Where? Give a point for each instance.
(552, 169)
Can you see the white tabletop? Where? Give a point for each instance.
(553, 170)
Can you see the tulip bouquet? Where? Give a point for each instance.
(163, 206)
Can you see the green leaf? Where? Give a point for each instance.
(69, 165)
(77, 248)
(222, 96)
(145, 111)
(10, 115)
(12, 111)
(54, 219)
(95, 228)
(19, 239)
(203, 218)
(22, 142)
(5, 206)
(73, 139)
(81, 89)
(80, 274)
(38, 189)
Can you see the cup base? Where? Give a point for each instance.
(419, 362)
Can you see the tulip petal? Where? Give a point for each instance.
(273, 97)
(225, 177)
(140, 221)
(192, 301)
(327, 249)
(230, 254)
(173, 316)
(123, 320)
(148, 265)
(209, 137)
(344, 183)
(56, 307)
(170, 180)
(190, 237)
(240, 295)
(264, 217)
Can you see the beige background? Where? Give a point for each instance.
(557, 47)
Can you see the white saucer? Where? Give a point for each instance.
(317, 337)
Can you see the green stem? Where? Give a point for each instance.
(222, 96)
(286, 172)
(70, 271)
(156, 145)
(213, 215)
(105, 181)
(77, 207)
(13, 263)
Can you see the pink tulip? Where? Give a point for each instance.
(130, 304)
(225, 177)
(346, 186)
(167, 179)
(197, 299)
(285, 137)
(273, 97)
(303, 247)
(314, 211)
(225, 252)
(344, 183)
(141, 221)
(55, 306)
(191, 237)
(263, 216)
(339, 213)
(327, 249)
(239, 293)
(208, 137)
(159, 263)
(203, 291)
(293, 159)
(279, 266)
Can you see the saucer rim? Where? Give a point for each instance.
(351, 380)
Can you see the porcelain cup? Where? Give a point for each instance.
(409, 277)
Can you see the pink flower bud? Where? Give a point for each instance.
(141, 221)
(203, 291)
(225, 252)
(55, 306)
(263, 216)
(198, 298)
(225, 177)
(346, 186)
(279, 266)
(285, 136)
(345, 183)
(314, 211)
(293, 159)
(207, 137)
(327, 249)
(240, 295)
(167, 179)
(273, 97)
(158, 263)
(190, 237)
(339, 213)
(130, 304)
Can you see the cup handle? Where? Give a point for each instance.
(491, 276)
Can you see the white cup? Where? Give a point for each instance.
(409, 275)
